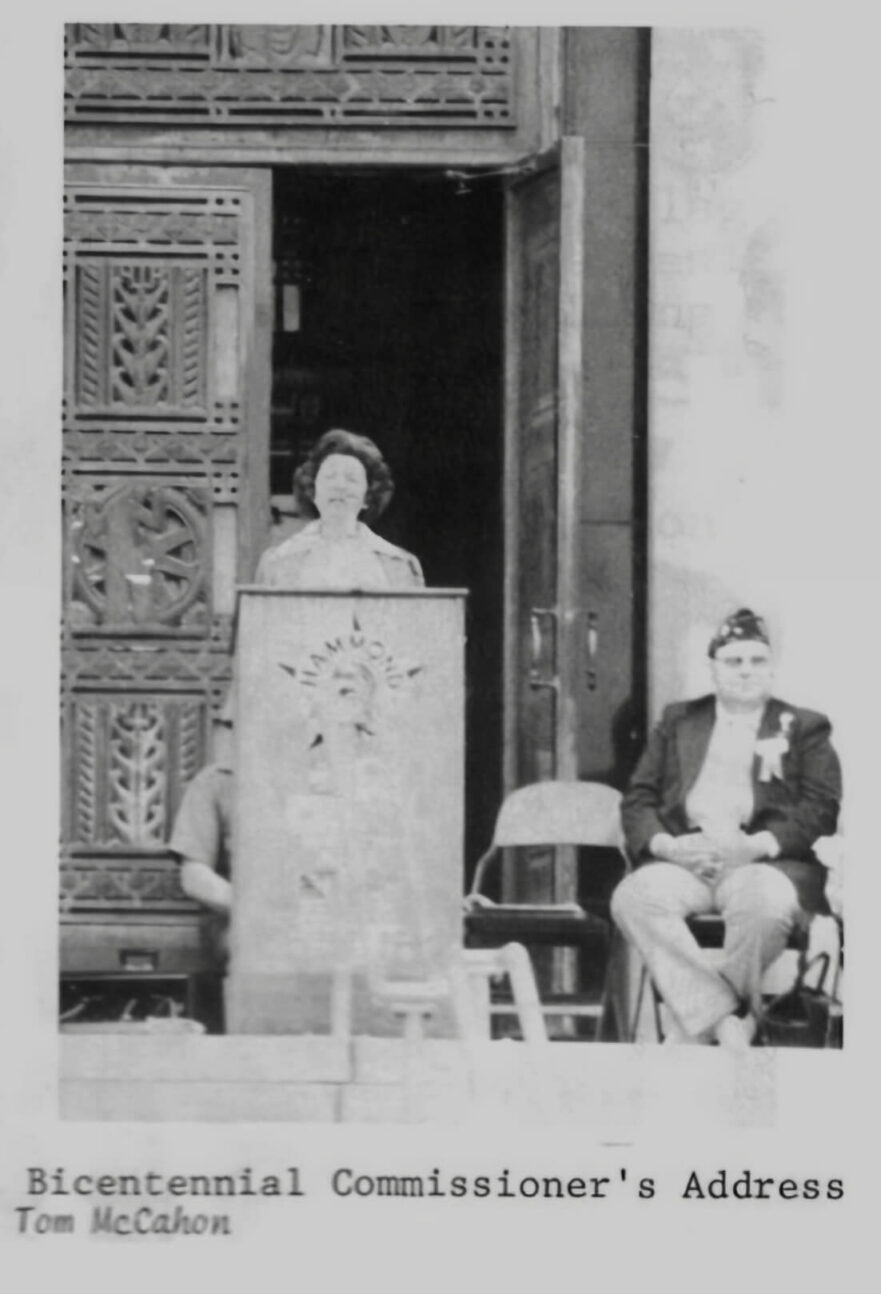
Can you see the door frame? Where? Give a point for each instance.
(568, 159)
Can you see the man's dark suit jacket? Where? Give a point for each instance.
(797, 808)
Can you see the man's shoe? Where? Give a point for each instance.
(735, 1032)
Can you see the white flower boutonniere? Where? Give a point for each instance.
(771, 750)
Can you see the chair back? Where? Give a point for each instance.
(555, 813)
(560, 813)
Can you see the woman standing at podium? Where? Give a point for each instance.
(347, 483)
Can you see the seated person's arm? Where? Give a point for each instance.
(642, 799)
(694, 851)
(199, 841)
(758, 845)
(812, 810)
(706, 856)
(644, 830)
(202, 883)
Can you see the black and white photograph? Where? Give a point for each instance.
(442, 597)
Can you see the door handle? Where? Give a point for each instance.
(538, 617)
(593, 646)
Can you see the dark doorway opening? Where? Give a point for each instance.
(389, 322)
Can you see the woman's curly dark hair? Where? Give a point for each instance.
(380, 486)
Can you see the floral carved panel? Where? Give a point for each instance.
(141, 332)
(133, 754)
(153, 298)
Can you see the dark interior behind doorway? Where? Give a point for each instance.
(389, 322)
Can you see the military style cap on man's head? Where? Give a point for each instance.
(743, 626)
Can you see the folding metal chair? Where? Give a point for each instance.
(549, 814)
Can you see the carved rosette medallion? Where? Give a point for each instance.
(139, 559)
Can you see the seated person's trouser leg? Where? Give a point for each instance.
(758, 905)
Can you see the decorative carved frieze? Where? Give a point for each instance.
(407, 42)
(277, 46)
(207, 458)
(102, 40)
(147, 665)
(257, 75)
(128, 448)
(121, 885)
(149, 229)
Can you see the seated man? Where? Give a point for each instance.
(202, 840)
(720, 816)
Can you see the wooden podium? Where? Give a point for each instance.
(349, 728)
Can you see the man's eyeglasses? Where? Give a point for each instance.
(738, 662)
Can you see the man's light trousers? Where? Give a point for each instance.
(759, 906)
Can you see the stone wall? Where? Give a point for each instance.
(752, 485)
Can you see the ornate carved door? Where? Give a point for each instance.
(544, 230)
(165, 483)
